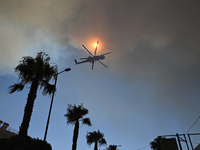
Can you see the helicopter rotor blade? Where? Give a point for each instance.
(87, 50)
(102, 63)
(106, 53)
(83, 58)
(92, 65)
(96, 48)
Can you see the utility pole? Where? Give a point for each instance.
(190, 138)
(179, 142)
(186, 141)
(190, 141)
(182, 138)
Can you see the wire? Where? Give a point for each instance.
(143, 147)
(193, 124)
(196, 143)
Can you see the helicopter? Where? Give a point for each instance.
(92, 58)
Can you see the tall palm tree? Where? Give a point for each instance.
(97, 138)
(34, 72)
(74, 115)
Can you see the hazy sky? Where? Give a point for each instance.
(150, 88)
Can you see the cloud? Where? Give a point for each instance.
(122, 27)
(154, 40)
(146, 38)
(153, 69)
(28, 27)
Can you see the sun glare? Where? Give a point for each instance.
(92, 45)
(95, 44)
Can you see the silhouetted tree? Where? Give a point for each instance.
(155, 144)
(30, 144)
(74, 115)
(97, 138)
(112, 147)
(35, 72)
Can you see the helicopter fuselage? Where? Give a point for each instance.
(95, 58)
(92, 59)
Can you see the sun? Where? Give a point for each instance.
(95, 44)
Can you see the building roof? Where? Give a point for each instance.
(6, 131)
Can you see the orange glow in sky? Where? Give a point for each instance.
(95, 44)
(92, 44)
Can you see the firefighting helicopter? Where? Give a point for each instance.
(92, 58)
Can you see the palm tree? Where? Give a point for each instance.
(96, 138)
(112, 147)
(74, 115)
(34, 72)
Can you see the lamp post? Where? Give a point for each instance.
(47, 125)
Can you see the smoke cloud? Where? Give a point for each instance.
(154, 49)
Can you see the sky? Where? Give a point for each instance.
(150, 88)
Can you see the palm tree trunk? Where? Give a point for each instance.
(28, 109)
(75, 136)
(95, 146)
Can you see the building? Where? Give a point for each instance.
(168, 144)
(6, 131)
(198, 147)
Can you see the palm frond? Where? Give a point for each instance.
(48, 89)
(86, 121)
(112, 147)
(90, 137)
(15, 87)
(25, 69)
(74, 113)
(49, 71)
(102, 141)
(94, 136)
(38, 67)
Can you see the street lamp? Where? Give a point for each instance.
(47, 125)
